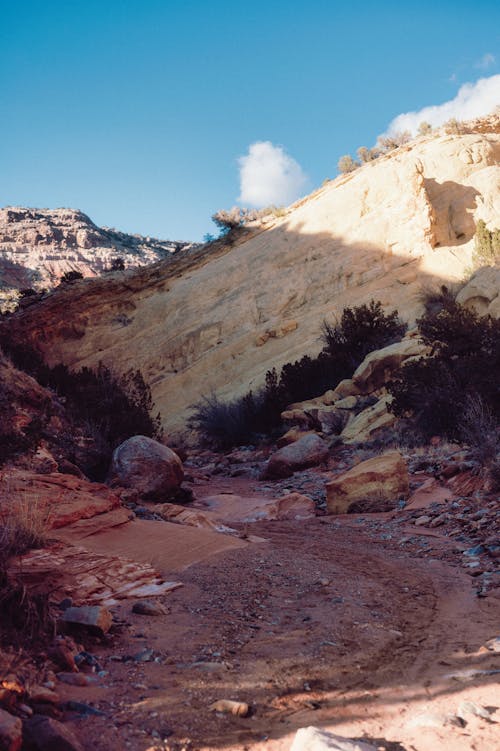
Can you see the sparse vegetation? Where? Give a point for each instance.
(393, 141)
(454, 127)
(437, 392)
(347, 164)
(71, 276)
(360, 330)
(367, 155)
(101, 405)
(24, 616)
(424, 128)
(486, 246)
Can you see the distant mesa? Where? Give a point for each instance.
(39, 246)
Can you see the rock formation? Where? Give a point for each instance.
(38, 246)
(217, 317)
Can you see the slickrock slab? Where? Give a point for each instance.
(61, 499)
(90, 577)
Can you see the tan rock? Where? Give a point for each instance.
(345, 388)
(482, 292)
(378, 366)
(384, 477)
(292, 435)
(306, 452)
(348, 402)
(362, 427)
(295, 417)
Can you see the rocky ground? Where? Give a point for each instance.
(378, 626)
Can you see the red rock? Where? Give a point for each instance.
(11, 732)
(47, 734)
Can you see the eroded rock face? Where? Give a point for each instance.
(383, 478)
(38, 246)
(153, 469)
(306, 452)
(198, 323)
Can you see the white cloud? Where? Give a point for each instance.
(268, 175)
(486, 61)
(473, 100)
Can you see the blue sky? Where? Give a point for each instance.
(137, 111)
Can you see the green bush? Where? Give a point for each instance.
(239, 421)
(486, 246)
(463, 366)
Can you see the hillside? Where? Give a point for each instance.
(218, 317)
(38, 246)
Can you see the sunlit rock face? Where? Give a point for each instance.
(38, 246)
(216, 318)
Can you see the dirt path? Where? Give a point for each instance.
(322, 624)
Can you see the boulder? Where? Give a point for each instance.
(296, 417)
(383, 478)
(328, 419)
(295, 506)
(317, 739)
(347, 387)
(378, 366)
(348, 402)
(482, 292)
(306, 452)
(148, 466)
(11, 732)
(361, 427)
(94, 617)
(47, 734)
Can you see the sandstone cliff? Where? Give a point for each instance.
(218, 317)
(38, 246)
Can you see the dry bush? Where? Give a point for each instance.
(25, 617)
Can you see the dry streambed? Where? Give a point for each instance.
(321, 625)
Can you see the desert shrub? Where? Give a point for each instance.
(359, 331)
(347, 164)
(393, 141)
(14, 441)
(454, 127)
(435, 299)
(70, 276)
(486, 246)
(117, 264)
(367, 155)
(106, 407)
(463, 366)
(424, 128)
(24, 615)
